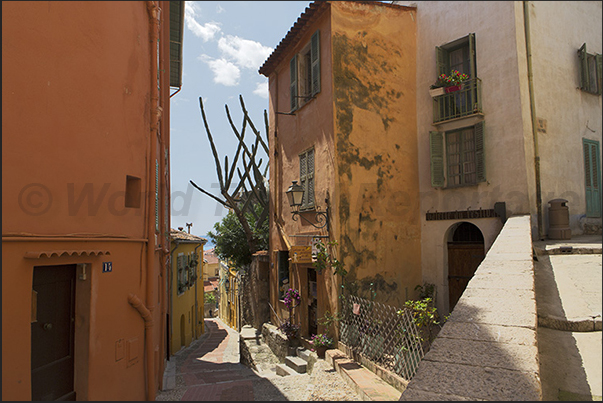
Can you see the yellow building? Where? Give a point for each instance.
(211, 266)
(186, 289)
(229, 296)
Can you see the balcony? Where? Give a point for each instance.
(464, 102)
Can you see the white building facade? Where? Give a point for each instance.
(523, 130)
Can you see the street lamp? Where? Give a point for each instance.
(295, 195)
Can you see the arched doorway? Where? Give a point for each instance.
(465, 253)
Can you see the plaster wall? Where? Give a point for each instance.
(183, 304)
(290, 135)
(507, 162)
(377, 198)
(570, 113)
(103, 320)
(76, 122)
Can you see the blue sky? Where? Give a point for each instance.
(225, 43)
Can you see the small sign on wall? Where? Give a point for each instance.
(107, 267)
(301, 254)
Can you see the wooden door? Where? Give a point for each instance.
(463, 260)
(53, 333)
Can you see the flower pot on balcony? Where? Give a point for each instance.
(452, 88)
(436, 92)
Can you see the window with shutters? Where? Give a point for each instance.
(457, 157)
(304, 70)
(590, 71)
(306, 178)
(592, 176)
(458, 55)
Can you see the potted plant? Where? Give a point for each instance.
(447, 83)
(290, 329)
(320, 343)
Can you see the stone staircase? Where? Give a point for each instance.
(300, 363)
(256, 354)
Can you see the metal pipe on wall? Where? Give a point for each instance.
(526, 21)
(153, 10)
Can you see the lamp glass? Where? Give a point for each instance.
(295, 193)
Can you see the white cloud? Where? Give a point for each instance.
(219, 9)
(261, 89)
(225, 72)
(206, 31)
(244, 52)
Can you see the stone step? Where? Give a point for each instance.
(368, 385)
(298, 364)
(303, 353)
(284, 370)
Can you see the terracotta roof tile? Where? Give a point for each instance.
(185, 236)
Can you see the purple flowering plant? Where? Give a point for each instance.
(292, 298)
(321, 340)
(291, 330)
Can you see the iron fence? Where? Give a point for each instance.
(464, 102)
(382, 335)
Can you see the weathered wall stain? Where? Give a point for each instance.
(369, 101)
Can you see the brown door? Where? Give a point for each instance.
(463, 260)
(52, 333)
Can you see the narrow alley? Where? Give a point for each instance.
(210, 370)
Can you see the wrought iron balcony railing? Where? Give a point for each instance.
(464, 102)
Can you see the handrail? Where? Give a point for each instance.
(463, 102)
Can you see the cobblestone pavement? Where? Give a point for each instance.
(209, 369)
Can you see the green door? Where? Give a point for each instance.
(592, 175)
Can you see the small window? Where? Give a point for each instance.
(306, 177)
(457, 157)
(304, 70)
(590, 71)
(133, 191)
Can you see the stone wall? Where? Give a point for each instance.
(277, 341)
(255, 292)
(487, 349)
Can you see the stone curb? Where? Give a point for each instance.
(569, 250)
(587, 324)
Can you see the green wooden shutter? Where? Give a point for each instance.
(303, 169)
(583, 67)
(472, 58)
(315, 62)
(436, 148)
(293, 86)
(599, 78)
(592, 169)
(480, 161)
(310, 178)
(442, 61)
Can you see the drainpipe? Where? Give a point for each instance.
(526, 21)
(154, 15)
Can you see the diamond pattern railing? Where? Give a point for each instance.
(380, 334)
